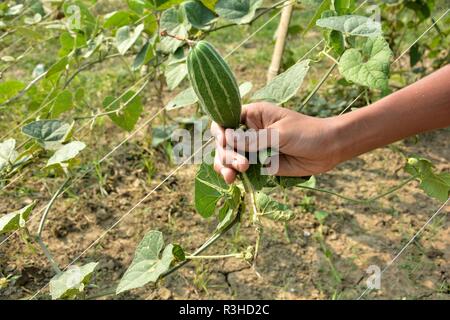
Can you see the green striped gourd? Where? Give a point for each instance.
(215, 85)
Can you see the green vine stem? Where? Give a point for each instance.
(255, 217)
(362, 201)
(49, 206)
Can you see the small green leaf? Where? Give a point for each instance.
(324, 5)
(148, 265)
(289, 182)
(116, 19)
(237, 11)
(125, 38)
(374, 73)
(129, 109)
(321, 216)
(66, 153)
(436, 185)
(144, 56)
(15, 220)
(175, 73)
(336, 41)
(63, 103)
(8, 154)
(9, 89)
(161, 134)
(272, 209)
(184, 98)
(285, 85)
(257, 179)
(58, 67)
(198, 15)
(70, 283)
(352, 25)
(174, 22)
(49, 133)
(209, 188)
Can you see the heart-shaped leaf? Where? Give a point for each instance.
(8, 154)
(125, 38)
(129, 109)
(15, 220)
(352, 25)
(209, 188)
(237, 11)
(368, 66)
(272, 209)
(49, 133)
(148, 263)
(70, 283)
(66, 153)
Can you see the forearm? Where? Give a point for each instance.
(422, 106)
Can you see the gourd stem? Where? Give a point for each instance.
(49, 206)
(362, 201)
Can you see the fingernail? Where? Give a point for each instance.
(222, 172)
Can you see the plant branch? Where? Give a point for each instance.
(49, 206)
(321, 82)
(362, 201)
(259, 15)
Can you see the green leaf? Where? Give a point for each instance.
(436, 185)
(352, 25)
(8, 154)
(415, 55)
(144, 56)
(79, 17)
(125, 38)
(66, 153)
(284, 86)
(174, 22)
(58, 67)
(237, 11)
(164, 4)
(289, 182)
(63, 103)
(198, 15)
(161, 134)
(15, 220)
(210, 4)
(116, 19)
(336, 41)
(148, 263)
(49, 133)
(342, 6)
(184, 98)
(209, 189)
(372, 69)
(70, 283)
(257, 179)
(272, 209)
(9, 89)
(324, 5)
(175, 73)
(245, 88)
(321, 216)
(129, 109)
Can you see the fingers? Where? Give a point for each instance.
(252, 140)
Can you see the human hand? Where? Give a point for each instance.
(306, 144)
